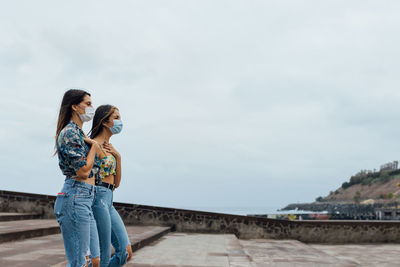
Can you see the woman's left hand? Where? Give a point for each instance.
(110, 149)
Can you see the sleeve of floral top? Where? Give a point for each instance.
(72, 147)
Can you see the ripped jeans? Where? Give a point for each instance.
(73, 210)
(111, 229)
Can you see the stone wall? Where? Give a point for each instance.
(207, 222)
(29, 203)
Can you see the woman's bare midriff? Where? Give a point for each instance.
(87, 180)
(108, 179)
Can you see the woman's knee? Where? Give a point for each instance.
(129, 250)
(95, 262)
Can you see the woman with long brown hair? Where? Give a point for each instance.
(77, 155)
(111, 229)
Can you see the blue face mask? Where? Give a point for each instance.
(117, 127)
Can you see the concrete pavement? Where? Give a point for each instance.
(219, 250)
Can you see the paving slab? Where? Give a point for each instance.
(294, 253)
(184, 249)
(288, 253)
(36, 252)
(21, 229)
(141, 236)
(365, 254)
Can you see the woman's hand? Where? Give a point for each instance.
(110, 149)
(92, 142)
(89, 141)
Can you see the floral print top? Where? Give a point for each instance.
(107, 167)
(72, 151)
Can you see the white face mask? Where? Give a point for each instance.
(89, 114)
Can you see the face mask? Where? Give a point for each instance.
(89, 114)
(117, 127)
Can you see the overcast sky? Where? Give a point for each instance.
(224, 103)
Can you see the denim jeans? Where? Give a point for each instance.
(73, 210)
(111, 229)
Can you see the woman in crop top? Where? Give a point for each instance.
(111, 229)
(77, 155)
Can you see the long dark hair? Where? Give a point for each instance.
(71, 97)
(102, 114)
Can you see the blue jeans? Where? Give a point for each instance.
(111, 229)
(73, 210)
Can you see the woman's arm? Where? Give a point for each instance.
(84, 171)
(72, 148)
(117, 177)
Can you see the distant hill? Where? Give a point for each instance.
(367, 187)
(374, 189)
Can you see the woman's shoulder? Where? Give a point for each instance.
(70, 132)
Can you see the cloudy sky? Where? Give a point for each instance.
(226, 104)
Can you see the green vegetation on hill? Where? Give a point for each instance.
(367, 178)
(369, 186)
